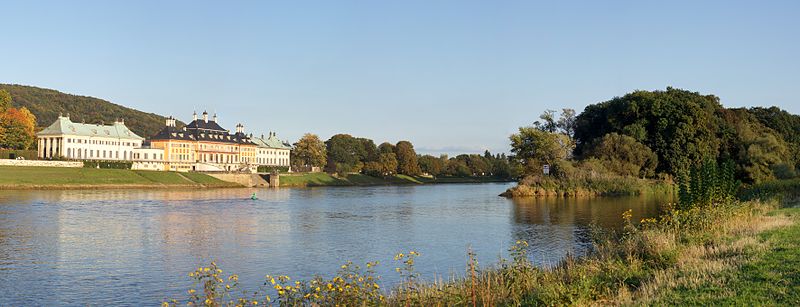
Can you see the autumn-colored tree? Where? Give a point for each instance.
(309, 152)
(406, 159)
(17, 126)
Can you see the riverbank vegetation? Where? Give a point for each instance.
(30, 177)
(344, 157)
(325, 179)
(710, 248)
(652, 137)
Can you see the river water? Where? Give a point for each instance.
(136, 247)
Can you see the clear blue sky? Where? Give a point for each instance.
(450, 76)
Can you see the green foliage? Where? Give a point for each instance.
(47, 104)
(308, 152)
(108, 164)
(708, 184)
(532, 146)
(625, 156)
(406, 159)
(432, 165)
(13, 154)
(678, 125)
(345, 154)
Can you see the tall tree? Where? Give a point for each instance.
(406, 159)
(566, 123)
(345, 154)
(309, 151)
(532, 146)
(431, 165)
(678, 125)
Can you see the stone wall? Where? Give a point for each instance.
(7, 162)
(248, 180)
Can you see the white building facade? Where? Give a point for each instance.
(77, 141)
(148, 159)
(271, 151)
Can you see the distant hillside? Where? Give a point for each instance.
(46, 104)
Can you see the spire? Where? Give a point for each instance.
(194, 115)
(205, 116)
(215, 117)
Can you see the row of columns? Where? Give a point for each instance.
(50, 147)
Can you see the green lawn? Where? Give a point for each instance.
(22, 176)
(772, 277)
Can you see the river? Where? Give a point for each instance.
(136, 247)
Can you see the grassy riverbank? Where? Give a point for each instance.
(732, 252)
(29, 177)
(324, 179)
(585, 186)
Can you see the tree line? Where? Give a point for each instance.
(662, 134)
(343, 154)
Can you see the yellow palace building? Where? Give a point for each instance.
(203, 145)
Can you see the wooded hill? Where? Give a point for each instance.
(46, 104)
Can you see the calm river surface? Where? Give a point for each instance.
(136, 247)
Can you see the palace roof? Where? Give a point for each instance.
(202, 131)
(271, 142)
(64, 126)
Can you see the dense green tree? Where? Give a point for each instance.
(345, 154)
(406, 159)
(386, 147)
(624, 155)
(309, 152)
(431, 165)
(678, 125)
(370, 150)
(532, 146)
(388, 162)
(457, 167)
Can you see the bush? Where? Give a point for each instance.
(13, 154)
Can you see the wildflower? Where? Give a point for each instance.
(376, 286)
(317, 289)
(280, 292)
(205, 269)
(344, 266)
(397, 269)
(255, 302)
(272, 280)
(227, 286)
(209, 301)
(191, 291)
(165, 304)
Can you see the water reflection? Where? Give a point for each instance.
(135, 246)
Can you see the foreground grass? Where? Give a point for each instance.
(64, 177)
(764, 270)
(324, 179)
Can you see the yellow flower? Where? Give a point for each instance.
(376, 286)
(272, 280)
(165, 304)
(280, 292)
(227, 286)
(191, 291)
(205, 269)
(317, 289)
(209, 301)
